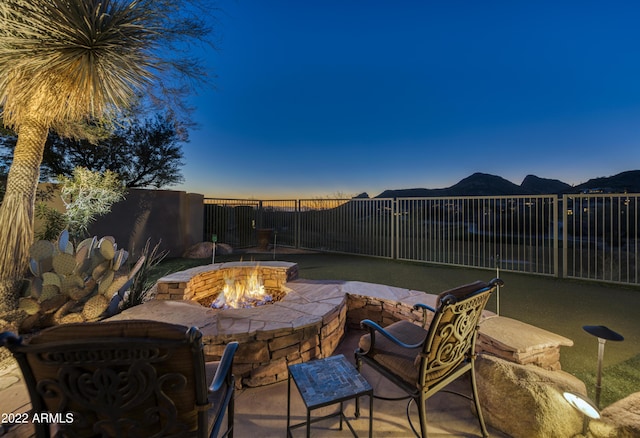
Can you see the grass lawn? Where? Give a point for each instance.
(560, 306)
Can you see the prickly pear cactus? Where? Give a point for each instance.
(74, 285)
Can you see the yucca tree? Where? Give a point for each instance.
(66, 62)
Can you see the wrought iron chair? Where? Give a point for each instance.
(125, 379)
(424, 360)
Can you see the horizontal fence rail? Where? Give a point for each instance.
(590, 237)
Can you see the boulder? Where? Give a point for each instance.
(624, 416)
(526, 400)
(204, 250)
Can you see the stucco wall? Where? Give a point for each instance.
(175, 217)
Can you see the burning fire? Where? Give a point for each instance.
(241, 291)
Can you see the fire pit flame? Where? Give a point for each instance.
(242, 292)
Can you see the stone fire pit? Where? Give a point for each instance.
(307, 323)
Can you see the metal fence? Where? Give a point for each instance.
(515, 233)
(600, 237)
(593, 237)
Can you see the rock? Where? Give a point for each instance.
(526, 400)
(624, 416)
(521, 343)
(203, 250)
(223, 249)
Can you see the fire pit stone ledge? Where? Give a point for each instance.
(307, 323)
(311, 319)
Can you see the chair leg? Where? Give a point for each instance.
(358, 367)
(422, 412)
(230, 413)
(476, 400)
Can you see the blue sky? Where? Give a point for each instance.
(315, 98)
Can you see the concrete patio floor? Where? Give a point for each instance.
(262, 412)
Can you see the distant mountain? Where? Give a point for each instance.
(534, 185)
(628, 182)
(483, 184)
(478, 184)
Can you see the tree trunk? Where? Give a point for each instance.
(16, 211)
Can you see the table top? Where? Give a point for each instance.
(326, 381)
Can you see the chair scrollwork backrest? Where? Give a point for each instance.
(451, 336)
(133, 378)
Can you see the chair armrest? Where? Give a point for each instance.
(374, 327)
(497, 282)
(420, 306)
(9, 338)
(224, 369)
(424, 308)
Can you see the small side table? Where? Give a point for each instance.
(324, 382)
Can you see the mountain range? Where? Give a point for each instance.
(483, 184)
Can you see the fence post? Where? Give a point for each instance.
(395, 240)
(556, 237)
(298, 221)
(565, 234)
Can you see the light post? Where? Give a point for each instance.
(214, 239)
(603, 334)
(583, 405)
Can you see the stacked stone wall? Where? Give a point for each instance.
(381, 311)
(266, 351)
(262, 358)
(202, 284)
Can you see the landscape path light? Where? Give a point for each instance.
(214, 239)
(603, 334)
(583, 405)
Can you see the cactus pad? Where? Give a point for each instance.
(119, 259)
(71, 282)
(48, 291)
(105, 282)
(63, 310)
(63, 241)
(29, 305)
(86, 243)
(71, 318)
(35, 287)
(95, 307)
(41, 250)
(73, 285)
(52, 304)
(69, 249)
(107, 249)
(82, 255)
(100, 270)
(51, 278)
(64, 263)
(34, 267)
(116, 285)
(77, 293)
(46, 264)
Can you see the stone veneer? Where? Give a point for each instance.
(203, 283)
(310, 321)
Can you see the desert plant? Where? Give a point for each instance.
(54, 222)
(139, 291)
(74, 284)
(86, 195)
(63, 62)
